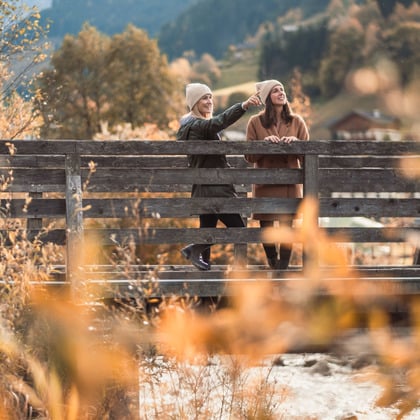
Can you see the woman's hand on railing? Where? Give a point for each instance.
(288, 139)
(284, 139)
(272, 139)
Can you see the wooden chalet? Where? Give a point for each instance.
(366, 125)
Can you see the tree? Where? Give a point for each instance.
(402, 42)
(74, 92)
(211, 26)
(21, 50)
(236, 97)
(95, 78)
(181, 68)
(300, 103)
(206, 70)
(20, 38)
(141, 85)
(344, 53)
(387, 6)
(404, 14)
(17, 117)
(303, 46)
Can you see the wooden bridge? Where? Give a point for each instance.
(87, 196)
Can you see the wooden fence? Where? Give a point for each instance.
(81, 186)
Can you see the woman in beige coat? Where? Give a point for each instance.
(276, 123)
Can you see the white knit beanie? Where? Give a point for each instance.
(194, 92)
(264, 88)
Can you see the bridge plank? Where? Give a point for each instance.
(184, 207)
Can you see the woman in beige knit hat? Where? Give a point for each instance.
(276, 123)
(200, 124)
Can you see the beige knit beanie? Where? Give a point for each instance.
(195, 91)
(264, 88)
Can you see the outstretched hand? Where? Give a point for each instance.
(253, 100)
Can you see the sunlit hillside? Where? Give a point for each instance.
(241, 76)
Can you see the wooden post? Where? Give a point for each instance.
(240, 253)
(241, 249)
(74, 222)
(416, 259)
(310, 191)
(35, 223)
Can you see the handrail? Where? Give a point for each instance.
(169, 147)
(64, 158)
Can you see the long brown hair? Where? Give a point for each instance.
(269, 116)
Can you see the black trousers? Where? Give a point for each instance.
(210, 221)
(285, 249)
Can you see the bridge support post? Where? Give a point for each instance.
(311, 192)
(74, 223)
(416, 260)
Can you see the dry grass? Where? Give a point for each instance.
(62, 358)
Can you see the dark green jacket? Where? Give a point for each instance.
(193, 128)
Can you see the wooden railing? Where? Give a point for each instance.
(83, 185)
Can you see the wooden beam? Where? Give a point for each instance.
(74, 221)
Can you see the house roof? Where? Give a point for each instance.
(375, 116)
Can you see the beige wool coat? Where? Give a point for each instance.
(256, 132)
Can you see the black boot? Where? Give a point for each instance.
(271, 253)
(193, 252)
(206, 255)
(186, 252)
(272, 262)
(285, 254)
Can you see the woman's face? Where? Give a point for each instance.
(278, 95)
(205, 105)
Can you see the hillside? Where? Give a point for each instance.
(111, 16)
(322, 112)
(179, 25)
(241, 77)
(210, 26)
